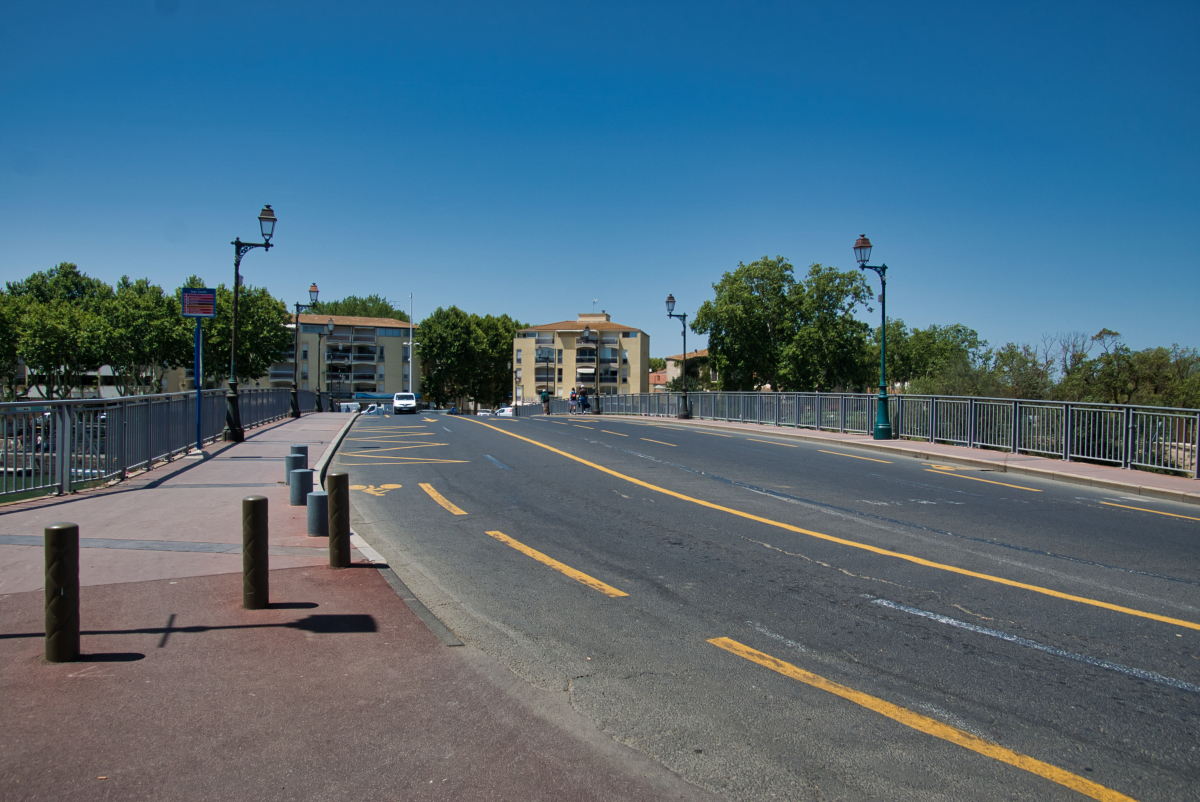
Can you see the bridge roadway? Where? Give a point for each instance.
(780, 619)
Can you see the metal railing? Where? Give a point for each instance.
(57, 446)
(1156, 438)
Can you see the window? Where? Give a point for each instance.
(391, 332)
(312, 328)
(519, 352)
(381, 353)
(304, 352)
(630, 335)
(560, 375)
(624, 357)
(624, 375)
(518, 375)
(560, 357)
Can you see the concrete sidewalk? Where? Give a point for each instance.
(337, 691)
(1134, 482)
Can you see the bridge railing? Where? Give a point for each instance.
(1156, 438)
(56, 446)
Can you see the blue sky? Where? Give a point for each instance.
(1023, 168)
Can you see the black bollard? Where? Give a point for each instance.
(256, 593)
(62, 592)
(337, 485)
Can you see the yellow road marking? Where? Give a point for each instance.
(375, 491)
(714, 434)
(618, 434)
(853, 456)
(429, 420)
(977, 479)
(1156, 512)
(577, 426)
(578, 576)
(864, 546)
(560, 423)
(660, 442)
(925, 724)
(440, 499)
(772, 442)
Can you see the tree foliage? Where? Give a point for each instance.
(353, 306)
(465, 356)
(264, 336)
(766, 328)
(143, 336)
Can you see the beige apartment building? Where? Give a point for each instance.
(553, 357)
(358, 355)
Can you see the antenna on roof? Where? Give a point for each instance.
(594, 300)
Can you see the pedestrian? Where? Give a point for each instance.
(574, 401)
(583, 401)
(545, 402)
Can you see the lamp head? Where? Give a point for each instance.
(266, 222)
(329, 326)
(862, 250)
(670, 303)
(587, 333)
(312, 293)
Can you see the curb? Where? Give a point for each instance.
(322, 465)
(972, 462)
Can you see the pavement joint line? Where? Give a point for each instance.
(925, 724)
(440, 499)
(864, 546)
(1005, 465)
(563, 568)
(855, 456)
(163, 545)
(977, 479)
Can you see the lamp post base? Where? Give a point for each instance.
(233, 416)
(883, 421)
(685, 413)
(295, 402)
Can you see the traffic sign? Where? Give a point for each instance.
(199, 302)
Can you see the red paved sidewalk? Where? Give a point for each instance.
(338, 691)
(1135, 482)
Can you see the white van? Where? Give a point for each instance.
(404, 402)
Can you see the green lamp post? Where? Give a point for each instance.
(685, 411)
(313, 292)
(883, 422)
(233, 415)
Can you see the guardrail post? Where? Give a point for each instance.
(971, 423)
(62, 592)
(842, 412)
(62, 448)
(255, 557)
(1126, 437)
(337, 485)
(1016, 427)
(1066, 430)
(898, 429)
(933, 419)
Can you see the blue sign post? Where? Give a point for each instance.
(199, 303)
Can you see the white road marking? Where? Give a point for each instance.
(1041, 647)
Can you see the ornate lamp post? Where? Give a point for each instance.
(593, 337)
(233, 416)
(883, 422)
(685, 412)
(312, 299)
(321, 352)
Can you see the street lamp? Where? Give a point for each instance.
(883, 422)
(593, 337)
(685, 411)
(312, 300)
(320, 352)
(233, 416)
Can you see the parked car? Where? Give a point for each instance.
(505, 412)
(404, 403)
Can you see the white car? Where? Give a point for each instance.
(404, 403)
(505, 412)
(483, 412)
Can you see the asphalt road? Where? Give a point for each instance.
(778, 619)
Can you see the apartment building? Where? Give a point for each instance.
(352, 355)
(555, 358)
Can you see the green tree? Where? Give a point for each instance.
(64, 282)
(749, 323)
(144, 335)
(829, 345)
(10, 320)
(492, 381)
(60, 341)
(657, 363)
(353, 306)
(449, 346)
